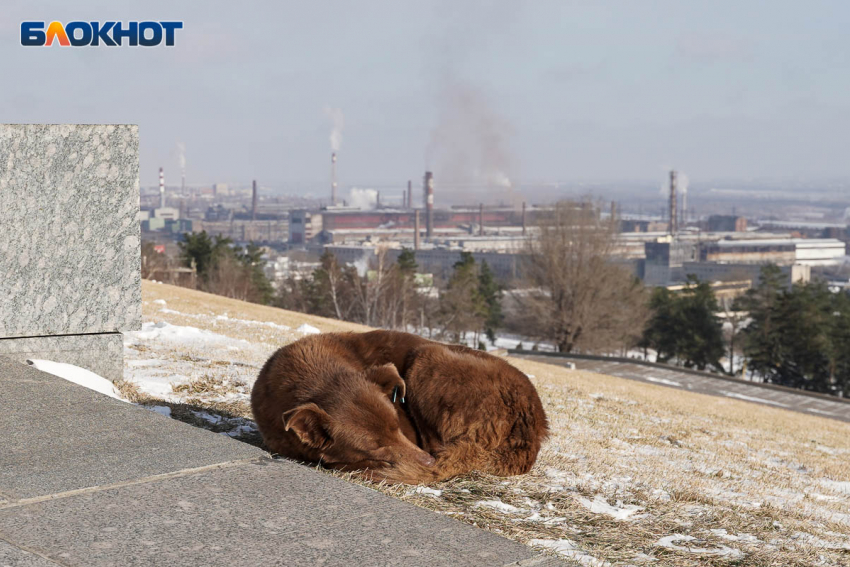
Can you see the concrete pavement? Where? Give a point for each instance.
(88, 480)
(785, 398)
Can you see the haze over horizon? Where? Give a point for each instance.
(483, 92)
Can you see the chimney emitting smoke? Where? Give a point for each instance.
(333, 178)
(429, 204)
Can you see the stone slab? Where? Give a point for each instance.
(69, 230)
(58, 436)
(262, 513)
(11, 556)
(103, 353)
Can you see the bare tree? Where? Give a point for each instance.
(575, 294)
(230, 278)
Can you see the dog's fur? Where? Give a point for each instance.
(470, 410)
(313, 401)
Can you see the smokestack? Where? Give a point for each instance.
(674, 217)
(378, 200)
(416, 230)
(429, 204)
(480, 219)
(523, 218)
(182, 213)
(403, 200)
(254, 201)
(333, 178)
(161, 189)
(684, 208)
(409, 194)
(613, 210)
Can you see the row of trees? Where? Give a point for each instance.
(225, 269)
(797, 337)
(387, 295)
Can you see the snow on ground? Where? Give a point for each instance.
(79, 376)
(569, 549)
(498, 505)
(308, 329)
(681, 542)
(619, 512)
(727, 479)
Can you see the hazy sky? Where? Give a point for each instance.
(534, 90)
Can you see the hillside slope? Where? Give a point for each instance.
(633, 473)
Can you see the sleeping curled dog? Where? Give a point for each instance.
(336, 399)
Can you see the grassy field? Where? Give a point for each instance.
(633, 474)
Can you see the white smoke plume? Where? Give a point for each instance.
(337, 119)
(365, 199)
(181, 156)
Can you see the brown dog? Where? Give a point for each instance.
(315, 401)
(472, 411)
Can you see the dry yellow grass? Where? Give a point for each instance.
(753, 485)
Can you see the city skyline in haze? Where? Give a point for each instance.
(480, 92)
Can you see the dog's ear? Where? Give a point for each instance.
(311, 424)
(388, 379)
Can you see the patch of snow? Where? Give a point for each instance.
(670, 542)
(731, 537)
(308, 329)
(664, 381)
(569, 549)
(161, 410)
(169, 311)
(160, 302)
(837, 485)
(752, 399)
(619, 512)
(77, 375)
(428, 491)
(177, 334)
(498, 505)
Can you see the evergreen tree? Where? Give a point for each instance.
(761, 336)
(684, 326)
(700, 342)
(252, 258)
(462, 308)
(407, 262)
(491, 294)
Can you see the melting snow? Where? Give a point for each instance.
(498, 505)
(78, 375)
(308, 329)
(670, 543)
(166, 332)
(162, 410)
(428, 491)
(837, 485)
(569, 549)
(618, 512)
